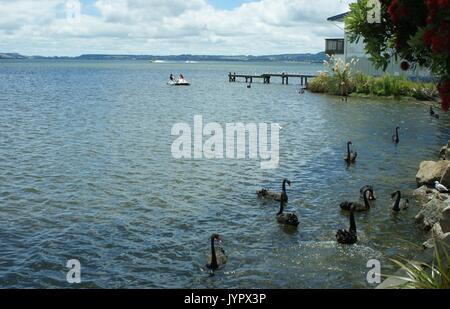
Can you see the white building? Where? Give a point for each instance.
(343, 49)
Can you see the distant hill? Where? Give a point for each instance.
(11, 56)
(319, 57)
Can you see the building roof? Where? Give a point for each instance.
(339, 17)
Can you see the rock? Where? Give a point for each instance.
(435, 213)
(431, 171)
(445, 180)
(429, 244)
(445, 152)
(438, 234)
(425, 194)
(422, 191)
(432, 212)
(445, 221)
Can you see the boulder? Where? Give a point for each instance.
(425, 194)
(445, 152)
(431, 171)
(438, 235)
(445, 221)
(432, 212)
(445, 180)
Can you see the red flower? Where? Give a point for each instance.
(444, 87)
(444, 92)
(392, 10)
(403, 10)
(404, 66)
(427, 37)
(438, 43)
(443, 4)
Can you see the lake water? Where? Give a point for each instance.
(86, 173)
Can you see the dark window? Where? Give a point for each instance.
(334, 46)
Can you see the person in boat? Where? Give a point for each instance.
(172, 78)
(181, 79)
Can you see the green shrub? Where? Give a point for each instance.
(421, 275)
(424, 91)
(319, 84)
(340, 80)
(397, 86)
(361, 83)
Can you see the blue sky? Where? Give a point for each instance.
(227, 4)
(89, 7)
(162, 27)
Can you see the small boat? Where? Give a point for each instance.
(178, 83)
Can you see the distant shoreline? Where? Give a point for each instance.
(314, 58)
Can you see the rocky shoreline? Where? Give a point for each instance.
(435, 214)
(434, 217)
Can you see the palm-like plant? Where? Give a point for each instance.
(421, 275)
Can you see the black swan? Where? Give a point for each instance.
(433, 114)
(372, 195)
(395, 137)
(348, 237)
(286, 218)
(277, 196)
(399, 203)
(351, 156)
(217, 259)
(356, 206)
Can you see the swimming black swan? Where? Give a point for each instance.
(217, 259)
(348, 237)
(356, 206)
(395, 137)
(277, 196)
(249, 86)
(351, 156)
(433, 114)
(372, 195)
(286, 218)
(399, 203)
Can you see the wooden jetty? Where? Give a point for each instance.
(266, 78)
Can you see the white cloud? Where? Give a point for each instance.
(168, 27)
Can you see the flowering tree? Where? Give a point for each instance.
(417, 31)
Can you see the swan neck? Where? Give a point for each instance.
(366, 200)
(352, 222)
(213, 254)
(348, 151)
(281, 207)
(397, 201)
(284, 186)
